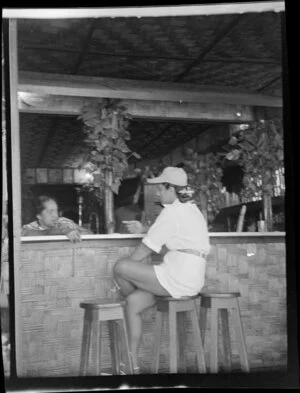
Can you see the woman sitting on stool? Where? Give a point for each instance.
(182, 229)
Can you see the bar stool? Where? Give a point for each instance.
(223, 301)
(176, 309)
(95, 313)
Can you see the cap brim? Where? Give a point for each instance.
(156, 180)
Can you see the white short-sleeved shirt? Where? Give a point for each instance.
(180, 226)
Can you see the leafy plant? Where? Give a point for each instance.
(105, 126)
(258, 147)
(204, 174)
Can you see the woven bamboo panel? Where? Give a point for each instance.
(258, 272)
(155, 48)
(53, 283)
(55, 280)
(61, 136)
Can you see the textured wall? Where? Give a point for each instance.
(56, 276)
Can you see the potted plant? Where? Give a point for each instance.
(258, 148)
(105, 126)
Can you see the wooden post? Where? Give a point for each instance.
(108, 203)
(203, 203)
(16, 186)
(267, 200)
(268, 213)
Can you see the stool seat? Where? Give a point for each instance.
(96, 312)
(220, 302)
(220, 294)
(176, 310)
(101, 303)
(173, 299)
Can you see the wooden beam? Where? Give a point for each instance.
(87, 86)
(209, 9)
(65, 105)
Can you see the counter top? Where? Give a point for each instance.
(117, 236)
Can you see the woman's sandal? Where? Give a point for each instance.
(123, 369)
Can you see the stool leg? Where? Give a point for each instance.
(181, 339)
(214, 364)
(226, 339)
(119, 337)
(203, 318)
(95, 340)
(198, 341)
(173, 338)
(240, 338)
(85, 345)
(113, 347)
(99, 347)
(157, 341)
(125, 335)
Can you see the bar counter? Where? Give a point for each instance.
(55, 275)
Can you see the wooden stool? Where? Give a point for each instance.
(176, 308)
(223, 301)
(96, 312)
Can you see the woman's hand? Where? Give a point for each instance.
(134, 226)
(74, 235)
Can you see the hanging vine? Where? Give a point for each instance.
(105, 127)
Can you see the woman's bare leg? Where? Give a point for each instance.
(136, 303)
(141, 276)
(133, 275)
(125, 286)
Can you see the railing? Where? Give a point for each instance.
(233, 199)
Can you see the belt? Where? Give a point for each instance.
(194, 252)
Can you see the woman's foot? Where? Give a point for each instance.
(124, 369)
(137, 370)
(135, 367)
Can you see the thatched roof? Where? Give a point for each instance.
(238, 51)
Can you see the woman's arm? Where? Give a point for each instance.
(135, 227)
(141, 253)
(35, 232)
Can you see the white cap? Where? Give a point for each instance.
(172, 175)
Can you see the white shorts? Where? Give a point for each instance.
(181, 274)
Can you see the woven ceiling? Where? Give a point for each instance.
(57, 141)
(238, 51)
